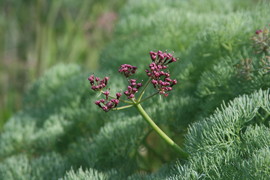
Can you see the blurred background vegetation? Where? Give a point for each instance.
(36, 34)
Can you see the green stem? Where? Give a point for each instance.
(122, 107)
(164, 136)
(143, 90)
(148, 97)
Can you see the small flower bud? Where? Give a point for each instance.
(139, 85)
(105, 108)
(118, 95)
(131, 96)
(102, 100)
(97, 103)
(127, 70)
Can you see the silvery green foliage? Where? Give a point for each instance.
(21, 167)
(233, 143)
(90, 173)
(85, 174)
(15, 167)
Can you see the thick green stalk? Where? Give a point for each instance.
(164, 136)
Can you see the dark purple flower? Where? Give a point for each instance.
(118, 95)
(161, 79)
(127, 70)
(132, 88)
(96, 83)
(107, 104)
(106, 93)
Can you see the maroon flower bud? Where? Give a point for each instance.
(161, 56)
(106, 79)
(97, 103)
(127, 70)
(152, 53)
(118, 95)
(155, 82)
(105, 108)
(91, 79)
(115, 101)
(132, 80)
(102, 100)
(139, 85)
(153, 57)
(106, 93)
(109, 104)
(168, 79)
(159, 52)
(96, 83)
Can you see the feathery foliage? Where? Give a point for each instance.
(219, 112)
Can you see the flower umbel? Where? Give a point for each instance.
(157, 76)
(108, 104)
(96, 83)
(132, 88)
(127, 69)
(161, 80)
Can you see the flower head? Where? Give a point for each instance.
(96, 83)
(127, 70)
(162, 58)
(161, 79)
(108, 104)
(132, 88)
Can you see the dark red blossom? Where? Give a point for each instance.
(132, 88)
(127, 69)
(108, 104)
(162, 58)
(161, 79)
(159, 76)
(96, 83)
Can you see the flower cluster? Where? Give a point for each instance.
(162, 58)
(161, 80)
(127, 69)
(97, 84)
(132, 88)
(158, 77)
(261, 41)
(108, 104)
